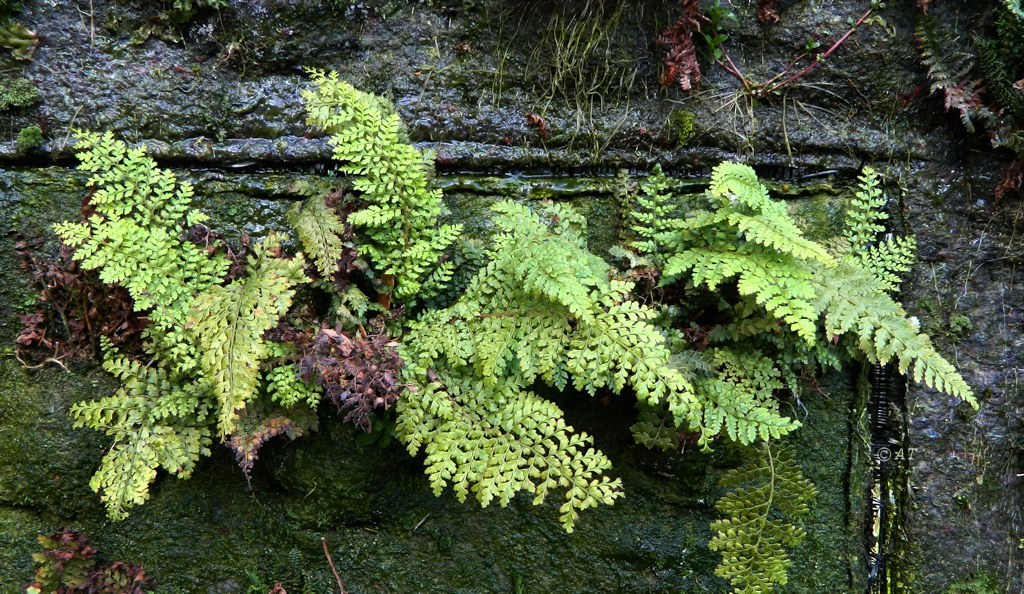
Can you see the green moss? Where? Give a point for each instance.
(982, 584)
(681, 126)
(16, 93)
(29, 140)
(959, 326)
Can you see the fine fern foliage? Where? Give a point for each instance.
(738, 396)
(134, 236)
(399, 222)
(228, 323)
(156, 422)
(543, 309)
(205, 340)
(951, 74)
(769, 261)
(887, 260)
(767, 498)
(749, 239)
(321, 232)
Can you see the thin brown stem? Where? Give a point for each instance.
(341, 585)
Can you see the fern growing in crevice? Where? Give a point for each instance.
(782, 307)
(951, 74)
(545, 309)
(788, 284)
(399, 222)
(889, 259)
(205, 340)
(767, 499)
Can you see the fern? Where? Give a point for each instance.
(852, 300)
(543, 309)
(738, 396)
(770, 265)
(887, 260)
(653, 210)
(796, 281)
(951, 75)
(205, 340)
(320, 230)
(399, 222)
(134, 236)
(155, 421)
(767, 497)
(228, 323)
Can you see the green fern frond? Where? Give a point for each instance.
(134, 237)
(542, 308)
(497, 440)
(286, 388)
(864, 214)
(320, 230)
(228, 323)
(649, 219)
(155, 423)
(655, 428)
(738, 397)
(766, 499)
(887, 259)
(852, 300)
(399, 223)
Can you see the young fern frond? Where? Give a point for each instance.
(320, 230)
(228, 323)
(767, 498)
(652, 213)
(399, 222)
(864, 215)
(887, 259)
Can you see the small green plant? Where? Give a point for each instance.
(222, 357)
(398, 224)
(783, 307)
(68, 565)
(29, 140)
(543, 308)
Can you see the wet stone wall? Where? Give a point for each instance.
(215, 96)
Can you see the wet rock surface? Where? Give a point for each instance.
(216, 96)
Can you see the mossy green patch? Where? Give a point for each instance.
(17, 93)
(681, 125)
(29, 140)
